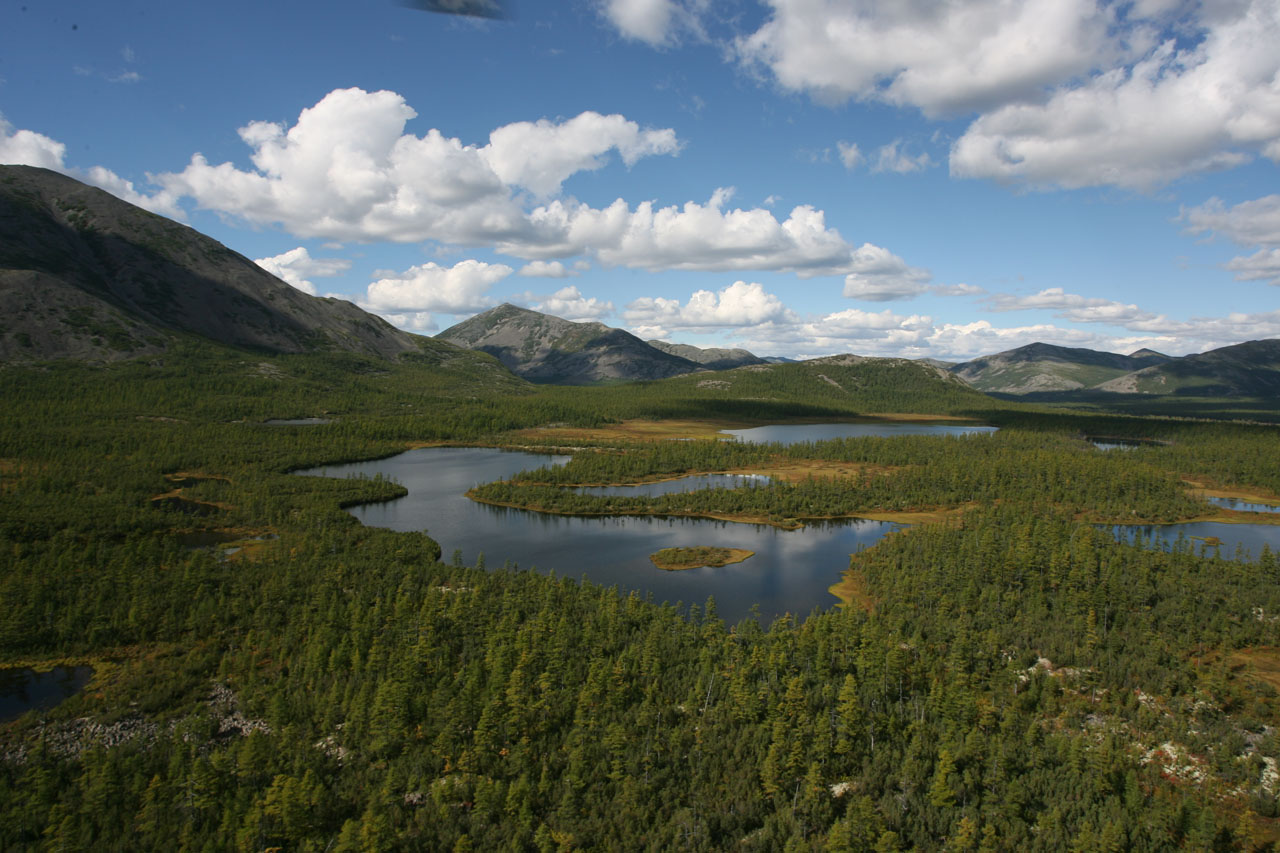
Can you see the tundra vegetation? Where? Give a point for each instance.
(1008, 677)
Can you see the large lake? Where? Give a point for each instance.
(790, 572)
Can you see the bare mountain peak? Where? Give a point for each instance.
(84, 274)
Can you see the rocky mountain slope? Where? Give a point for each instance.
(1251, 369)
(85, 275)
(547, 349)
(1043, 367)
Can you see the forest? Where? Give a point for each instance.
(1004, 675)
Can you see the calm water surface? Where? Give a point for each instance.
(1243, 506)
(790, 572)
(1245, 540)
(796, 433)
(22, 690)
(678, 485)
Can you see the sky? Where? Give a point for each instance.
(918, 178)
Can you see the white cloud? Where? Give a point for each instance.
(1074, 307)
(943, 57)
(1263, 265)
(419, 321)
(850, 154)
(692, 237)
(348, 171)
(540, 156)
(546, 269)
(739, 304)
(655, 22)
(28, 148)
(892, 158)
(1255, 222)
(878, 275)
(296, 266)
(459, 289)
(569, 303)
(1176, 111)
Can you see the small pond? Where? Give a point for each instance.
(1243, 506)
(1245, 540)
(790, 572)
(23, 690)
(796, 433)
(296, 421)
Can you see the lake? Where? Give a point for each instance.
(22, 690)
(790, 572)
(1248, 539)
(796, 433)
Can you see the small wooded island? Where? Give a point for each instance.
(675, 559)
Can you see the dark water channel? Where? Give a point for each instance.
(790, 572)
(22, 690)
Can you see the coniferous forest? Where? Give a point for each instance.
(1002, 674)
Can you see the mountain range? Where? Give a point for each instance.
(1250, 369)
(85, 275)
(547, 349)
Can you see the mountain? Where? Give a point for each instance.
(1251, 369)
(85, 275)
(711, 358)
(547, 349)
(1043, 367)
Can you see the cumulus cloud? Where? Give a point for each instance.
(569, 303)
(540, 156)
(28, 148)
(297, 267)
(348, 171)
(690, 237)
(1176, 110)
(546, 269)
(939, 56)
(429, 287)
(655, 22)
(878, 275)
(739, 304)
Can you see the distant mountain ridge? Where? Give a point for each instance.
(551, 350)
(1045, 367)
(712, 358)
(1250, 369)
(85, 275)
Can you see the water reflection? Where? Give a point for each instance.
(1243, 506)
(791, 571)
(1212, 538)
(23, 690)
(796, 433)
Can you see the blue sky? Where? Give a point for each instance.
(799, 177)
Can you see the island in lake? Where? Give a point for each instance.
(674, 559)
